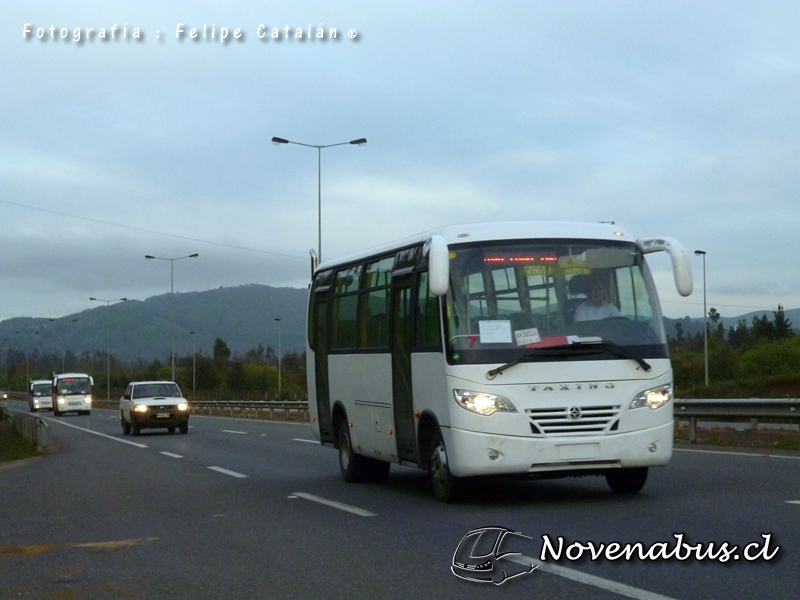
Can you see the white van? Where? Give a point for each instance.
(39, 395)
(72, 392)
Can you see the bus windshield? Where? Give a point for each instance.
(40, 389)
(510, 298)
(74, 386)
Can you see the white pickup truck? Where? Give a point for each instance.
(153, 404)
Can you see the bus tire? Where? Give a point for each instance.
(354, 467)
(629, 480)
(446, 486)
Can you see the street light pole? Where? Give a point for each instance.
(27, 370)
(705, 313)
(64, 355)
(194, 358)
(279, 359)
(172, 300)
(108, 351)
(358, 142)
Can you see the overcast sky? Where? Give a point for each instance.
(669, 118)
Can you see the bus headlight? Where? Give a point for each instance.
(140, 408)
(483, 404)
(654, 398)
(88, 399)
(60, 400)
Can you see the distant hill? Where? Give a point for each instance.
(243, 317)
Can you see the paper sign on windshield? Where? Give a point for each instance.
(527, 336)
(495, 332)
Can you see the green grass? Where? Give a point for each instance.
(12, 445)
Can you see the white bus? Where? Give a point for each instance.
(72, 392)
(39, 395)
(461, 351)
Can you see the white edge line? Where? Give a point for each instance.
(753, 454)
(793, 502)
(231, 431)
(170, 454)
(332, 503)
(110, 437)
(302, 440)
(227, 472)
(598, 582)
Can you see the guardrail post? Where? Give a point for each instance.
(692, 430)
(42, 435)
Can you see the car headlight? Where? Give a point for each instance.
(140, 408)
(183, 406)
(654, 398)
(483, 404)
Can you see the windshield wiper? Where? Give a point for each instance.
(549, 350)
(615, 348)
(585, 347)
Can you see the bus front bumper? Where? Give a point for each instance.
(474, 454)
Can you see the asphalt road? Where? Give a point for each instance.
(253, 509)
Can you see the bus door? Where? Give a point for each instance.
(321, 345)
(401, 339)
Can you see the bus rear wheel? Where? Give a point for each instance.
(446, 486)
(353, 466)
(630, 480)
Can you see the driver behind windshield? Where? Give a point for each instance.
(595, 307)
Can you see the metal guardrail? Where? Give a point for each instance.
(256, 408)
(31, 427)
(733, 409)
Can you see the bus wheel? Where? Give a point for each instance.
(353, 466)
(627, 481)
(445, 484)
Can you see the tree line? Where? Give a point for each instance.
(764, 349)
(254, 372)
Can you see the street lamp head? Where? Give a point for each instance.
(195, 255)
(277, 141)
(148, 257)
(94, 299)
(359, 142)
(700, 252)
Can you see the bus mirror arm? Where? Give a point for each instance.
(681, 263)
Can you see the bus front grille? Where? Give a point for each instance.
(573, 420)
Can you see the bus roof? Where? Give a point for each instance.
(496, 230)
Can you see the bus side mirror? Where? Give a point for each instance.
(91, 381)
(681, 263)
(438, 265)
